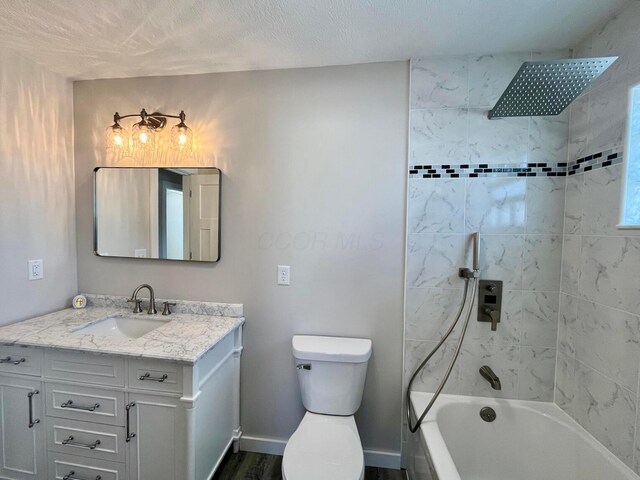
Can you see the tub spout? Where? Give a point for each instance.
(490, 377)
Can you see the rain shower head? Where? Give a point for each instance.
(548, 87)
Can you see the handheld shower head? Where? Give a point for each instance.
(476, 251)
(475, 271)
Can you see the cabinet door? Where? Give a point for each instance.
(22, 445)
(157, 451)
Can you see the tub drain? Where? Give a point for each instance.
(488, 414)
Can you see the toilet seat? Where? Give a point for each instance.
(324, 447)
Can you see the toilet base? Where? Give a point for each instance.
(324, 447)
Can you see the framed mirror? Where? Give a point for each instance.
(160, 213)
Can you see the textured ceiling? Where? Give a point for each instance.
(86, 39)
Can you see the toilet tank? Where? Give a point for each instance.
(331, 371)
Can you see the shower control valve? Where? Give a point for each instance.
(494, 315)
(490, 302)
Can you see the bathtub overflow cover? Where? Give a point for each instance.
(488, 414)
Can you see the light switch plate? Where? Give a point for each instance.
(36, 269)
(284, 275)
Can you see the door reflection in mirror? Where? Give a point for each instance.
(160, 213)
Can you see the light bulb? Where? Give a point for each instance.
(181, 137)
(144, 137)
(117, 138)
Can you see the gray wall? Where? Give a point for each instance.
(520, 221)
(124, 211)
(599, 334)
(314, 176)
(36, 189)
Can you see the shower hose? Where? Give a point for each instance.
(414, 428)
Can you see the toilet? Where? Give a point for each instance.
(326, 444)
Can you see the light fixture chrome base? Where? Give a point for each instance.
(157, 121)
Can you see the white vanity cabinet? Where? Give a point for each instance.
(157, 450)
(112, 417)
(22, 447)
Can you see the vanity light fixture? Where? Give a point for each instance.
(117, 137)
(181, 135)
(143, 133)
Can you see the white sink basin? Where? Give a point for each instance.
(123, 326)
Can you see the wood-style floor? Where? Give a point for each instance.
(257, 466)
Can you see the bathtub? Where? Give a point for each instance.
(527, 441)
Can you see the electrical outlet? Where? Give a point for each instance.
(284, 275)
(36, 269)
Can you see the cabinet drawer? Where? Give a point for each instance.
(93, 440)
(84, 468)
(26, 361)
(155, 375)
(84, 368)
(84, 403)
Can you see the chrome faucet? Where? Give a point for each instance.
(152, 299)
(490, 377)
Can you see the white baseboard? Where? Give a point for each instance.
(273, 446)
(270, 446)
(382, 459)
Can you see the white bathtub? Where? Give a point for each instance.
(527, 441)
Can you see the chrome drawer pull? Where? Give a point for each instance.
(130, 434)
(30, 395)
(15, 362)
(69, 404)
(147, 376)
(69, 441)
(71, 476)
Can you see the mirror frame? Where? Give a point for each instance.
(95, 215)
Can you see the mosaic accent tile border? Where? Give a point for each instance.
(555, 169)
(596, 161)
(466, 170)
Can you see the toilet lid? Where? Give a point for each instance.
(324, 447)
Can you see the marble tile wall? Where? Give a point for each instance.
(597, 374)
(520, 221)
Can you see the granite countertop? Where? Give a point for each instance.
(187, 335)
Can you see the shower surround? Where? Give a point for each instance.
(506, 179)
(545, 194)
(599, 333)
